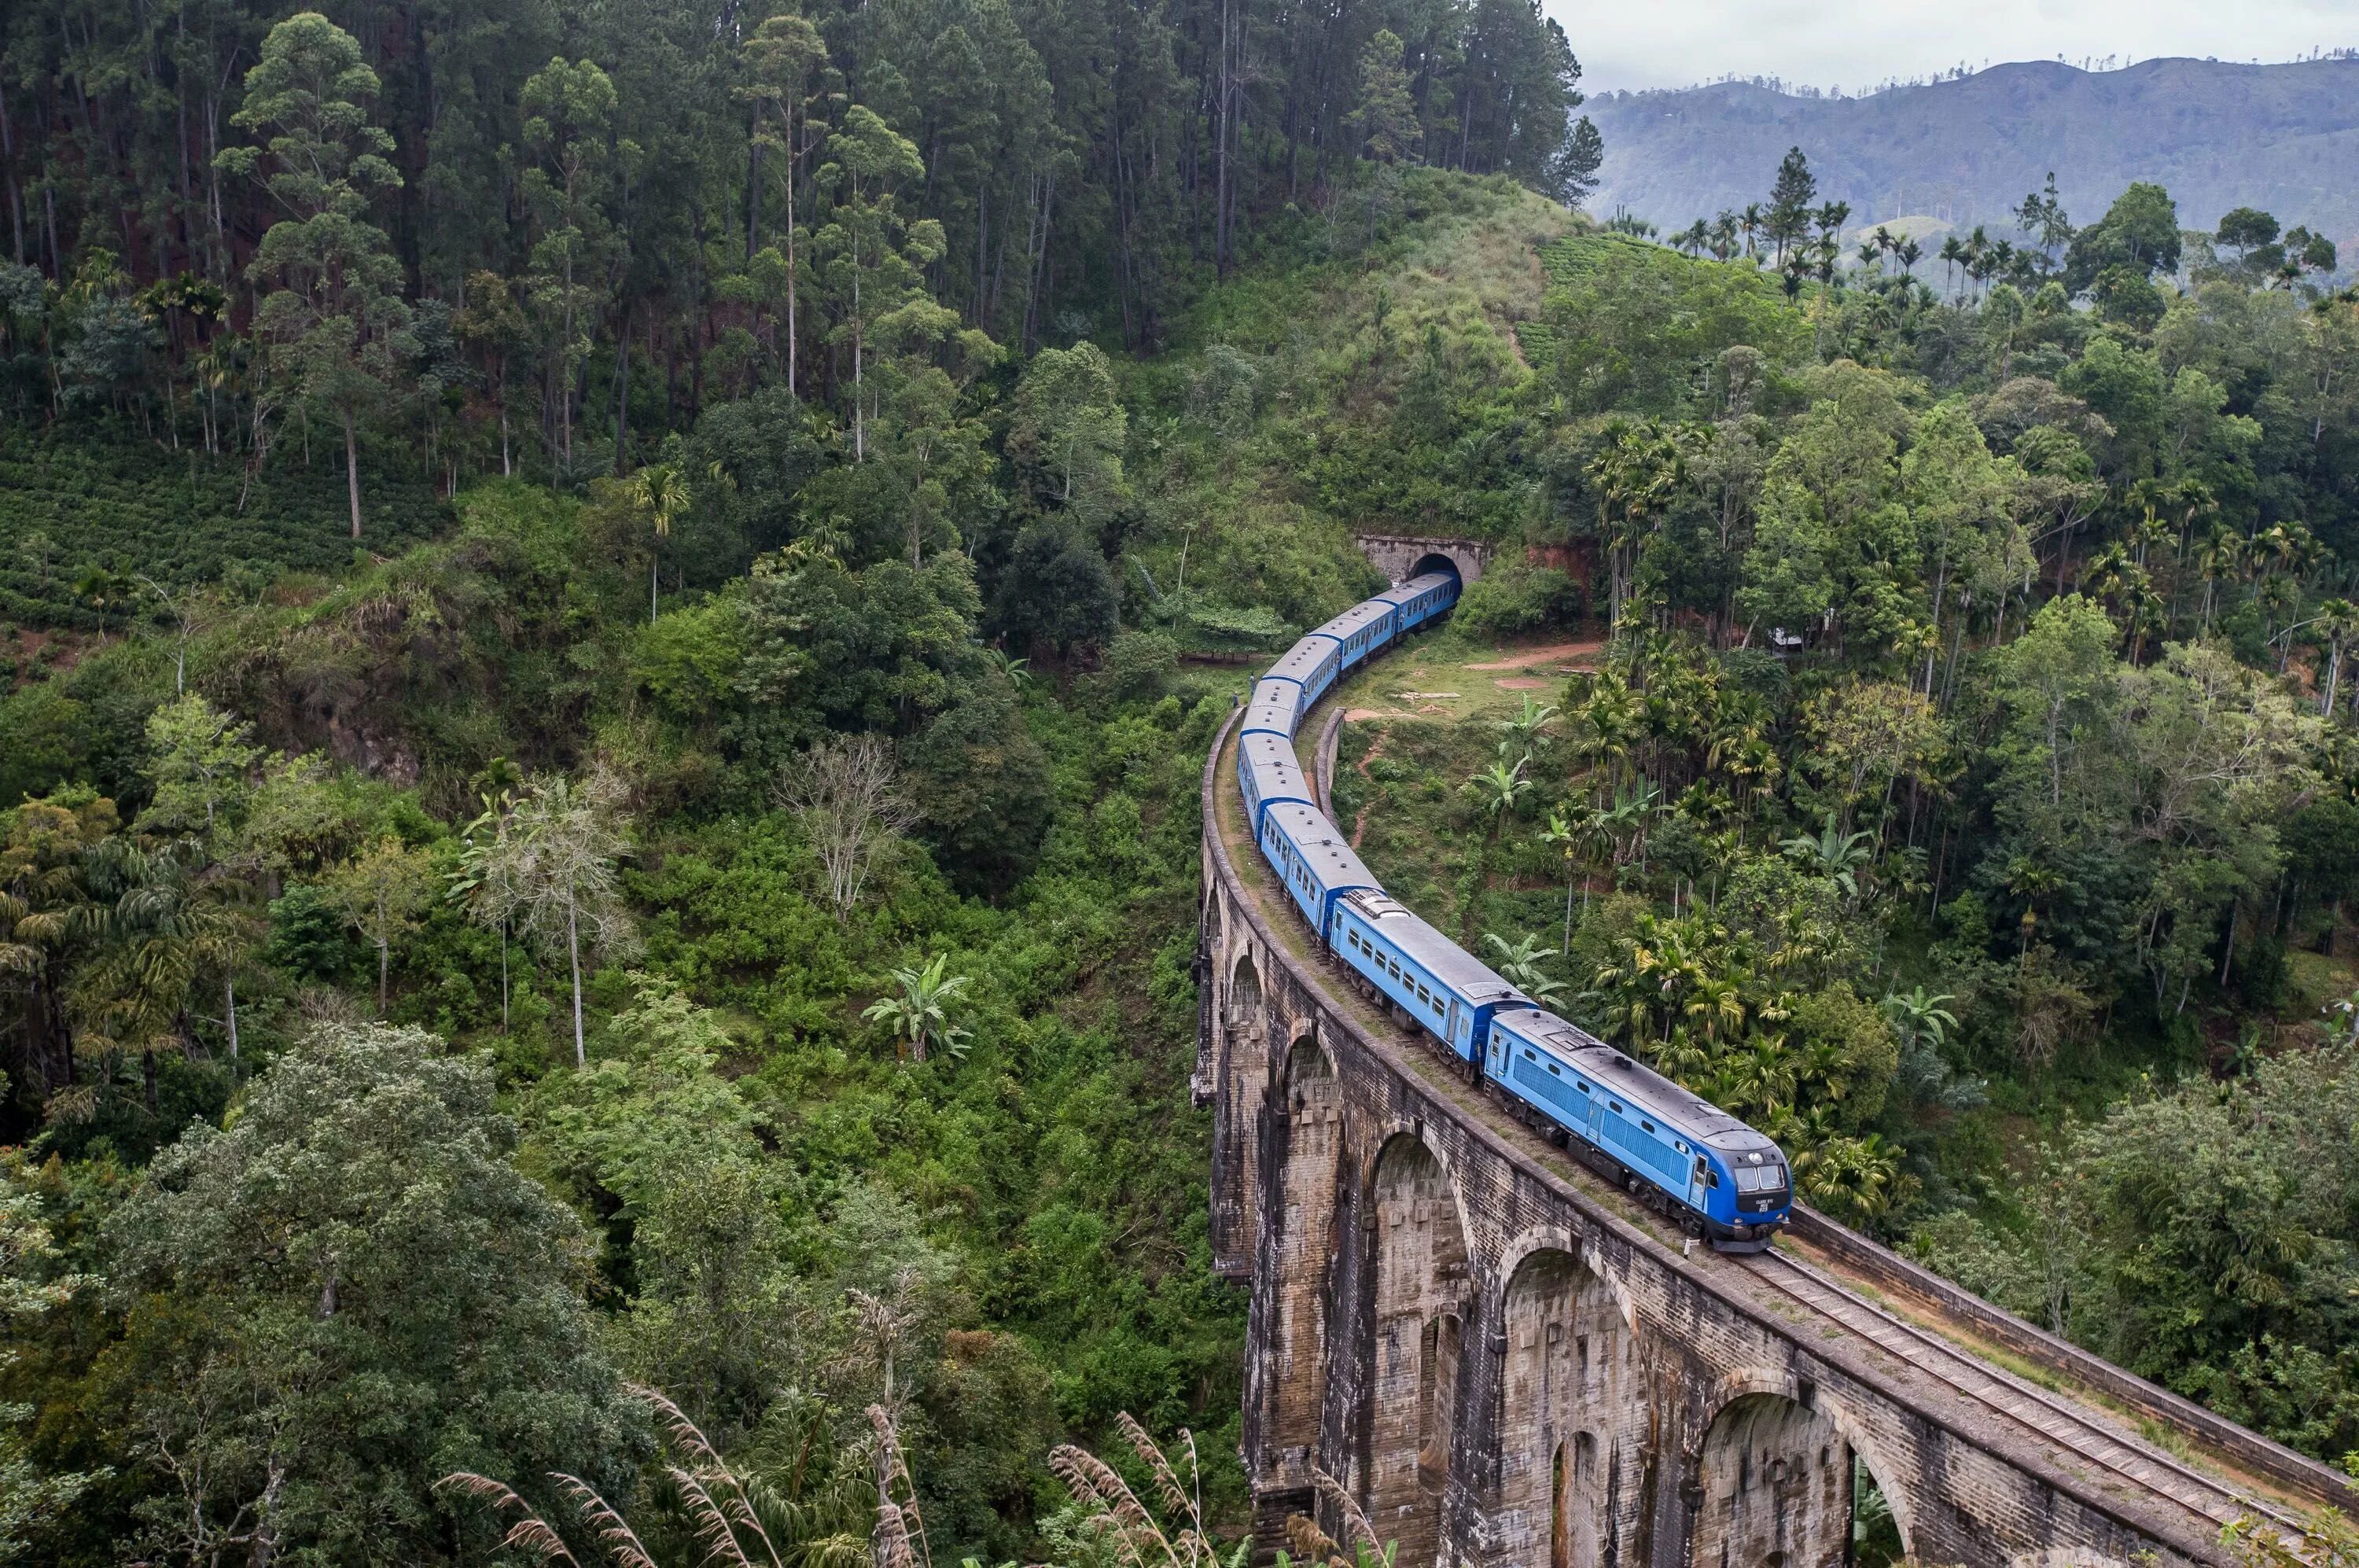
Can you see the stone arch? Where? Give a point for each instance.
(1871, 1455)
(1243, 996)
(1558, 1239)
(1244, 1071)
(1419, 1265)
(1403, 556)
(1771, 1483)
(1458, 563)
(1309, 1158)
(1571, 1417)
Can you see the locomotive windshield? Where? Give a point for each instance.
(1769, 1176)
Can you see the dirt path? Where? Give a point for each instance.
(1532, 656)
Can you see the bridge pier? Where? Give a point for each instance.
(1501, 1365)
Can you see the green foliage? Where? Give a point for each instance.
(1516, 598)
(68, 503)
(342, 1296)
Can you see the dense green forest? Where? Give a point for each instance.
(610, 621)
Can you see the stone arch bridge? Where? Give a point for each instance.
(1505, 1364)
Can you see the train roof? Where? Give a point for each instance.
(1302, 660)
(1473, 980)
(1321, 843)
(1635, 1081)
(1278, 772)
(1412, 588)
(1367, 612)
(1276, 705)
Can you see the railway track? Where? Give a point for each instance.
(2064, 1429)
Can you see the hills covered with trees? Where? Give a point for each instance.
(1964, 149)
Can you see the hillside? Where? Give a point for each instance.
(2282, 137)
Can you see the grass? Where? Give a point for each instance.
(1430, 717)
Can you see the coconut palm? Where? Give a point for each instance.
(1567, 833)
(1526, 727)
(920, 1017)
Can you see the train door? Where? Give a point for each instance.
(1498, 1053)
(1459, 1043)
(1699, 1173)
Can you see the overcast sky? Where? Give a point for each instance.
(1857, 43)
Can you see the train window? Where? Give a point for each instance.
(1616, 1103)
(1553, 1068)
(1585, 1085)
(1703, 1169)
(1712, 1179)
(1528, 1056)
(1646, 1124)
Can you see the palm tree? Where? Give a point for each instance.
(1715, 1006)
(1910, 253)
(1568, 834)
(1630, 811)
(2337, 623)
(660, 491)
(484, 879)
(1855, 1178)
(1750, 222)
(919, 1017)
(567, 841)
(1519, 962)
(154, 926)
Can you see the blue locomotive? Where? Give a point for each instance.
(1719, 1177)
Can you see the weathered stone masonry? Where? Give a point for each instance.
(1504, 1371)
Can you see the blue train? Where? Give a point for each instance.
(1719, 1177)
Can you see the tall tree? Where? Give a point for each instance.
(568, 130)
(1386, 114)
(567, 840)
(1791, 195)
(335, 321)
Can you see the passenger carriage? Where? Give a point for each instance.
(1450, 993)
(1310, 856)
(1359, 632)
(1276, 709)
(1312, 664)
(1269, 773)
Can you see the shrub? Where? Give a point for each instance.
(1517, 596)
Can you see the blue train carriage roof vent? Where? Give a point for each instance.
(1269, 773)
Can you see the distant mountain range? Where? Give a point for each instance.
(1965, 151)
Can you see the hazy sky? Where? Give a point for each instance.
(1856, 43)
